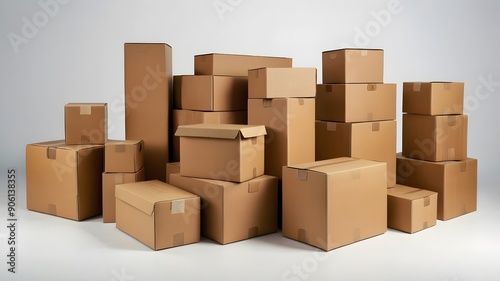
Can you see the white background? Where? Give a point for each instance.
(73, 52)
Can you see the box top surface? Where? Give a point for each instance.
(332, 166)
(283, 69)
(153, 43)
(120, 142)
(352, 49)
(440, 163)
(220, 131)
(85, 104)
(60, 144)
(239, 55)
(225, 184)
(409, 193)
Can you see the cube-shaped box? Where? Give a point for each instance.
(237, 65)
(227, 152)
(335, 202)
(158, 214)
(353, 66)
(411, 209)
(86, 123)
(297, 82)
(123, 156)
(64, 180)
(433, 98)
(454, 181)
(355, 102)
(234, 211)
(172, 168)
(435, 137)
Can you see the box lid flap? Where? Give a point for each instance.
(60, 144)
(330, 166)
(220, 131)
(407, 192)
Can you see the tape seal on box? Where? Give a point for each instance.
(253, 186)
(364, 53)
(120, 148)
(371, 87)
(302, 174)
(301, 101)
(51, 153)
(178, 239)
(331, 126)
(267, 103)
(427, 201)
(416, 87)
(302, 235)
(452, 121)
(375, 127)
(118, 178)
(177, 206)
(85, 109)
(425, 224)
(447, 86)
(369, 116)
(463, 166)
(52, 209)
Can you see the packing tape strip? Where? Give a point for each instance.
(301, 101)
(427, 201)
(463, 166)
(302, 174)
(178, 239)
(302, 235)
(253, 232)
(425, 224)
(447, 86)
(369, 116)
(364, 53)
(371, 87)
(333, 55)
(51, 153)
(417, 86)
(451, 120)
(120, 148)
(267, 103)
(85, 109)
(177, 206)
(253, 186)
(331, 126)
(375, 126)
(118, 178)
(53, 209)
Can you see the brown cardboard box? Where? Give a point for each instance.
(227, 152)
(232, 212)
(173, 168)
(290, 130)
(148, 95)
(355, 102)
(64, 180)
(353, 66)
(86, 123)
(235, 65)
(297, 82)
(368, 140)
(123, 156)
(435, 138)
(158, 214)
(109, 181)
(454, 181)
(332, 203)
(433, 98)
(411, 209)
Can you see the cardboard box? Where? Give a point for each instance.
(411, 209)
(148, 95)
(336, 202)
(173, 168)
(86, 123)
(123, 156)
(454, 181)
(433, 98)
(232, 212)
(435, 138)
(368, 140)
(158, 214)
(297, 82)
(235, 65)
(290, 130)
(64, 180)
(353, 66)
(355, 102)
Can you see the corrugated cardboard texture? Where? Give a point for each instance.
(265, 83)
(237, 65)
(353, 66)
(172, 168)
(433, 98)
(86, 123)
(123, 156)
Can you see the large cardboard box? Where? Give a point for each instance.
(297, 82)
(454, 181)
(64, 180)
(86, 123)
(123, 156)
(433, 98)
(227, 152)
(148, 95)
(368, 140)
(353, 66)
(290, 130)
(332, 203)
(435, 138)
(355, 102)
(411, 209)
(232, 212)
(235, 65)
(172, 168)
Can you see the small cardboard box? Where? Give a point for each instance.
(227, 152)
(124, 156)
(353, 66)
(297, 82)
(173, 168)
(336, 202)
(86, 123)
(433, 98)
(411, 209)
(64, 180)
(158, 214)
(435, 138)
(355, 102)
(232, 212)
(236, 65)
(454, 181)
(109, 181)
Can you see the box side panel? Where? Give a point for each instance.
(90, 169)
(301, 131)
(135, 223)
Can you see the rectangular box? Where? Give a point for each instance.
(435, 138)
(234, 211)
(353, 66)
(109, 181)
(64, 180)
(227, 152)
(333, 203)
(290, 131)
(433, 98)
(123, 156)
(158, 214)
(411, 209)
(454, 181)
(86, 123)
(368, 140)
(148, 95)
(297, 82)
(236, 65)
(173, 168)
(355, 102)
